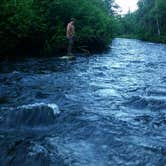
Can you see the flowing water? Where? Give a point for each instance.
(103, 110)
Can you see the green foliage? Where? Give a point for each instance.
(19, 23)
(148, 22)
(33, 26)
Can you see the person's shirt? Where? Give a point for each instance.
(70, 30)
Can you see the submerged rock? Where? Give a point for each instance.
(33, 115)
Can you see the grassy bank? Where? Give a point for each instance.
(155, 39)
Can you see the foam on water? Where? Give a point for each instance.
(31, 115)
(54, 107)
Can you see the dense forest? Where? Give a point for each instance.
(33, 27)
(147, 23)
(39, 27)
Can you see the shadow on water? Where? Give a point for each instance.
(102, 110)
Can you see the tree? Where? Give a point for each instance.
(38, 27)
(148, 22)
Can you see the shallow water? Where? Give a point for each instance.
(112, 109)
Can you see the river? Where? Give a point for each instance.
(104, 110)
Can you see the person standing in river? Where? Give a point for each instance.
(70, 35)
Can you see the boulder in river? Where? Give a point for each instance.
(33, 115)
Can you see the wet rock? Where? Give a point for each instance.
(33, 115)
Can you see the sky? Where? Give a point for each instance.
(126, 5)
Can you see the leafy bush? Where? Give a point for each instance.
(39, 27)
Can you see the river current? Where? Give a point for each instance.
(104, 110)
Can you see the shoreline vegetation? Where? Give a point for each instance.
(38, 28)
(146, 23)
(33, 27)
(154, 39)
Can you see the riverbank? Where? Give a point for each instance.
(33, 28)
(155, 39)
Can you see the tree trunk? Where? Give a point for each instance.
(158, 27)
